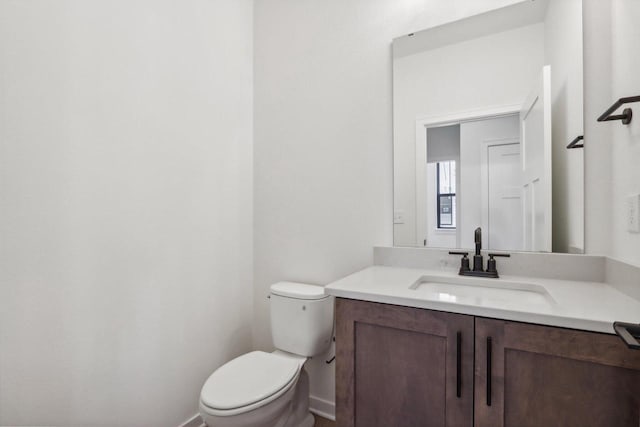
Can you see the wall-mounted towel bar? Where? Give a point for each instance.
(629, 332)
(576, 142)
(626, 115)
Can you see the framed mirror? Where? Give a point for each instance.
(483, 111)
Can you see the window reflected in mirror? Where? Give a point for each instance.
(446, 194)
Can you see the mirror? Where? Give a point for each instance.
(483, 111)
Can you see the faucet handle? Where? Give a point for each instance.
(458, 253)
(491, 264)
(494, 254)
(464, 262)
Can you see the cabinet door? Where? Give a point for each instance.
(538, 376)
(402, 367)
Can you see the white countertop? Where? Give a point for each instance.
(591, 306)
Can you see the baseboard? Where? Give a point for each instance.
(194, 421)
(318, 406)
(323, 408)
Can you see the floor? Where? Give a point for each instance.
(323, 422)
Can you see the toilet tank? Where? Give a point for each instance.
(301, 318)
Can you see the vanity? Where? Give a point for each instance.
(427, 347)
(489, 135)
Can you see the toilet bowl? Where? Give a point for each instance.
(257, 389)
(260, 389)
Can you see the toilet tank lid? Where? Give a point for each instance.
(298, 290)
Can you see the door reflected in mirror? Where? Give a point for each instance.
(483, 110)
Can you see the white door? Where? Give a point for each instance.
(535, 129)
(504, 201)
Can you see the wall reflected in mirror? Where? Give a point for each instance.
(483, 111)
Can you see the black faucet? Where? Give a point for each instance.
(478, 263)
(477, 258)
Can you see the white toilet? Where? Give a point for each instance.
(272, 389)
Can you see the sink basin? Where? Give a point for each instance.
(496, 293)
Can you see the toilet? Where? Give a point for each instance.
(260, 389)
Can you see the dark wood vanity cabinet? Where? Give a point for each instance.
(403, 367)
(400, 366)
(544, 376)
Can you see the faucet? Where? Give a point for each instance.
(477, 258)
(478, 263)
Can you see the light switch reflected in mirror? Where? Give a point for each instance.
(483, 111)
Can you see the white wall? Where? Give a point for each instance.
(323, 138)
(597, 144)
(625, 140)
(563, 50)
(491, 71)
(612, 150)
(125, 206)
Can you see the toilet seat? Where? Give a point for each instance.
(249, 382)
